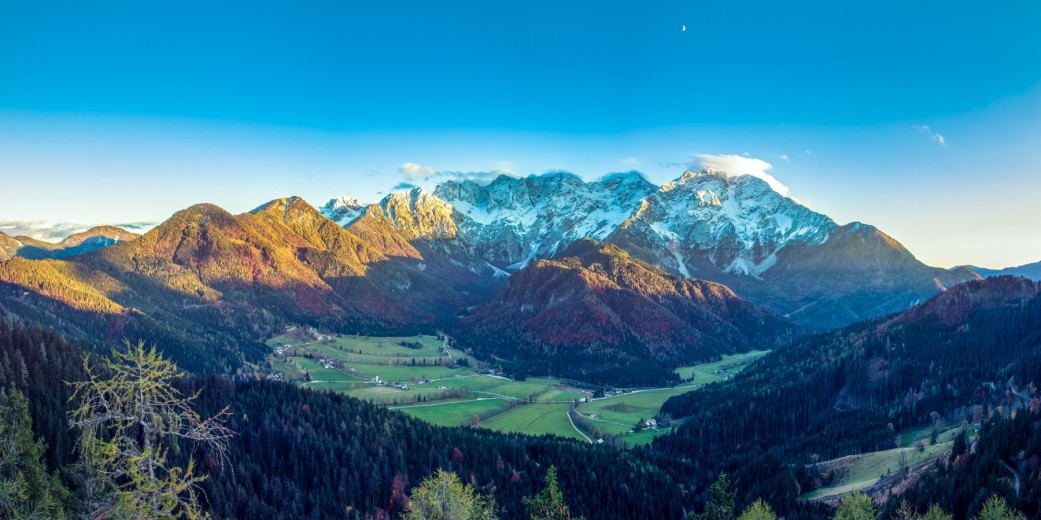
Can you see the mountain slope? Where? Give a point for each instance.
(355, 452)
(594, 313)
(969, 352)
(8, 247)
(420, 226)
(777, 252)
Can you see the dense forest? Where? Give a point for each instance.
(303, 454)
(1004, 459)
(969, 354)
(969, 357)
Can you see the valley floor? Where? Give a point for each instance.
(423, 377)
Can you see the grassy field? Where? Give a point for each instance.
(448, 395)
(535, 419)
(442, 393)
(393, 396)
(865, 470)
(451, 413)
(719, 370)
(618, 415)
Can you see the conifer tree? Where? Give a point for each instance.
(995, 508)
(759, 510)
(548, 504)
(442, 496)
(721, 498)
(129, 421)
(936, 512)
(26, 489)
(856, 506)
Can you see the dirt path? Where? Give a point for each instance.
(443, 404)
(576, 427)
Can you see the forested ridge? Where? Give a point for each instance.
(1006, 450)
(969, 354)
(596, 314)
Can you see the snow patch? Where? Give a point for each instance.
(681, 266)
(498, 273)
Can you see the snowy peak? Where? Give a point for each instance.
(513, 221)
(414, 213)
(707, 220)
(733, 229)
(417, 214)
(343, 210)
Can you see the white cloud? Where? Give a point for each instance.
(784, 157)
(935, 136)
(736, 165)
(417, 172)
(629, 161)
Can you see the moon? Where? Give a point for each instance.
(684, 29)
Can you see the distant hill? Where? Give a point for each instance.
(75, 244)
(1031, 271)
(597, 314)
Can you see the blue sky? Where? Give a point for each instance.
(117, 112)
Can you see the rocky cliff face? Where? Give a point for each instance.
(512, 222)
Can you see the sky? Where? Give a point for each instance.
(922, 118)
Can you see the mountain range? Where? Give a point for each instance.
(520, 270)
(708, 225)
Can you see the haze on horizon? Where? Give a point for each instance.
(919, 119)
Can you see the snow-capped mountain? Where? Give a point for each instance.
(730, 229)
(419, 215)
(512, 221)
(706, 222)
